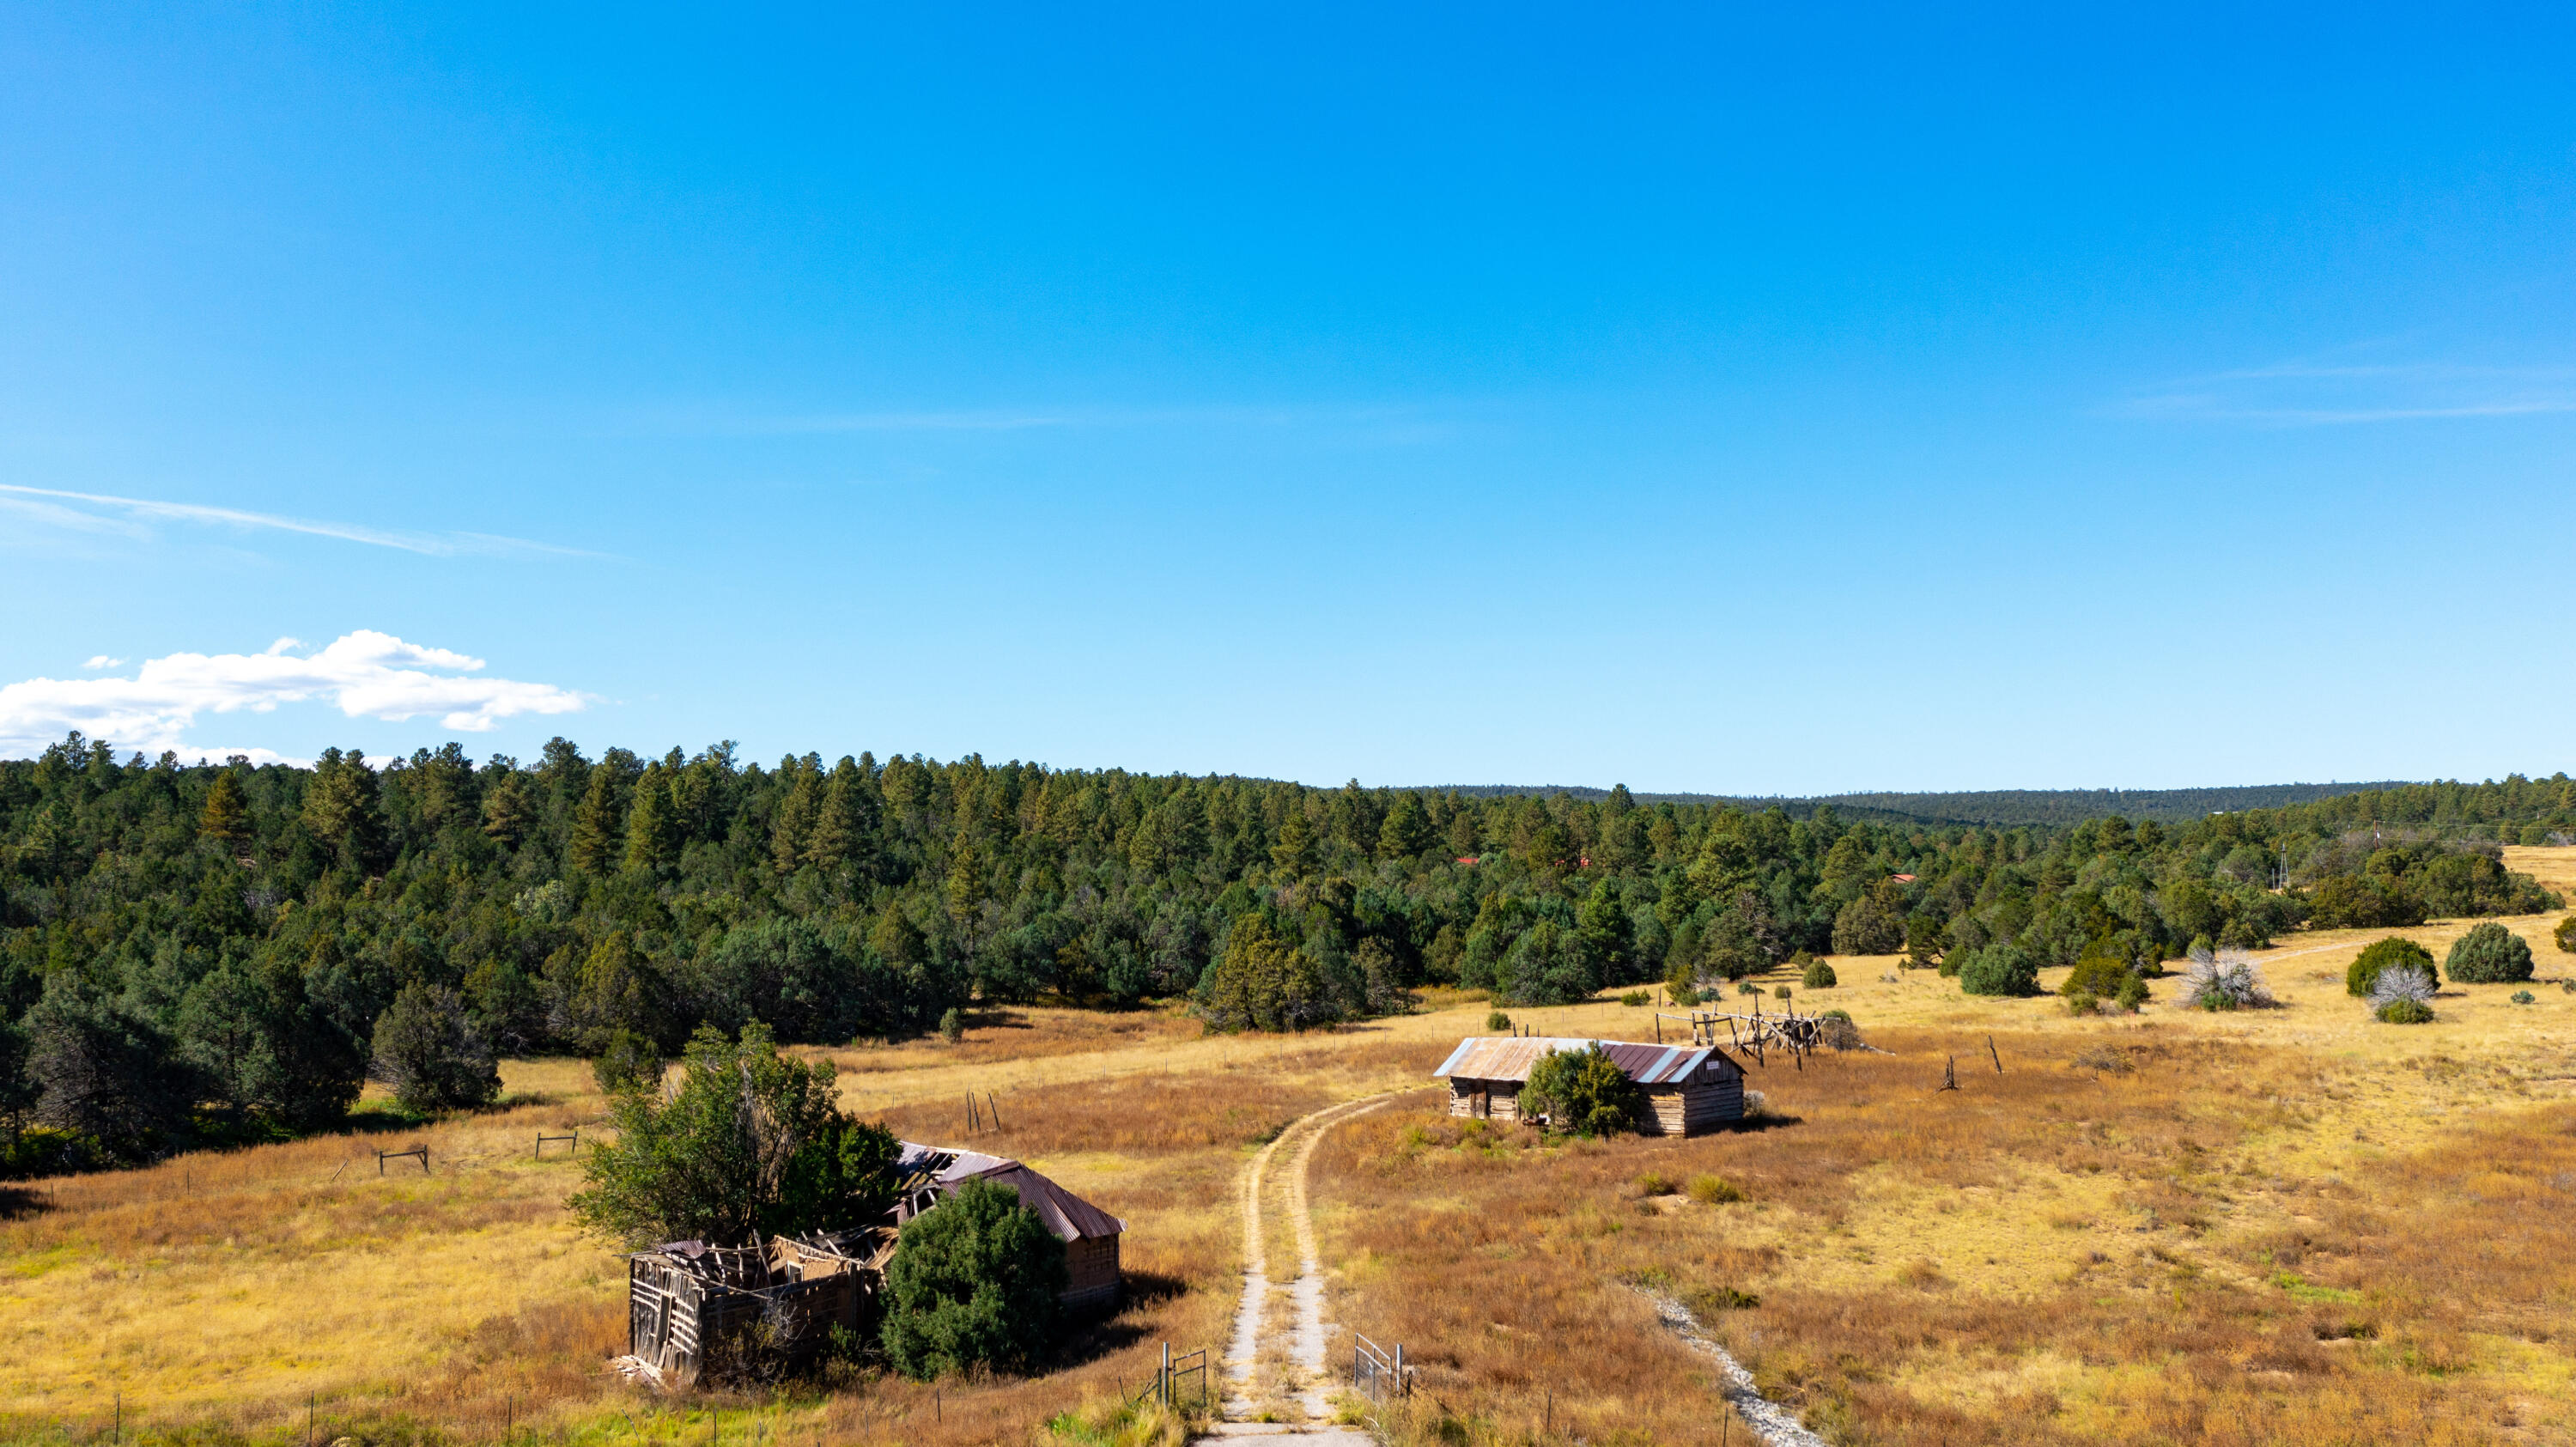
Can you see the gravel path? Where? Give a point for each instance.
(1777, 1424)
(1305, 1335)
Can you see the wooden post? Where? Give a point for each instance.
(1999, 1059)
(996, 1111)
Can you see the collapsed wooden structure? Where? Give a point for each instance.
(1754, 1036)
(695, 1309)
(692, 1309)
(1689, 1089)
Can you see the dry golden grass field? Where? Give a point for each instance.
(2288, 1226)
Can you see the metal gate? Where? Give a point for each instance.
(1378, 1374)
(1167, 1386)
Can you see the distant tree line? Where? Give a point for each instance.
(191, 951)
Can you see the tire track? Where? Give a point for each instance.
(1305, 1338)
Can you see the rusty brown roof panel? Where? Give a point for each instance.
(1510, 1058)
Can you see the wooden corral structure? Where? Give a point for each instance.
(688, 1303)
(1090, 1235)
(1689, 1089)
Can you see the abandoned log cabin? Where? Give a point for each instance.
(1689, 1089)
(688, 1303)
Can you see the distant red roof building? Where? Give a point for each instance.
(1467, 859)
(1902, 878)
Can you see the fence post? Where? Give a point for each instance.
(1401, 1388)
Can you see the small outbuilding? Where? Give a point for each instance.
(1689, 1089)
(1090, 1235)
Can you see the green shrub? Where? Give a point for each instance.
(2524, 997)
(2000, 969)
(630, 1063)
(1819, 976)
(1655, 1183)
(2095, 975)
(2566, 935)
(2364, 972)
(976, 1280)
(2081, 1003)
(1714, 1190)
(1781, 992)
(1583, 1092)
(2489, 955)
(1683, 995)
(428, 1049)
(1747, 987)
(952, 1026)
(1636, 997)
(2132, 994)
(1497, 1020)
(2405, 1012)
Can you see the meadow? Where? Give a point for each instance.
(2294, 1225)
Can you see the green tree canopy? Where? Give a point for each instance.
(1583, 1092)
(432, 1053)
(747, 1145)
(976, 1280)
(1263, 982)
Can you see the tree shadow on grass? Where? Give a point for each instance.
(19, 1202)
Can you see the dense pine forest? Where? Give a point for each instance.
(226, 952)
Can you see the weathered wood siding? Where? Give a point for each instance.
(1091, 1271)
(1486, 1099)
(674, 1317)
(1712, 1096)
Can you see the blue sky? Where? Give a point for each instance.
(1702, 399)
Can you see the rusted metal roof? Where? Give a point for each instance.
(1067, 1216)
(1510, 1058)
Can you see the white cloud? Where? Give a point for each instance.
(103, 661)
(2334, 393)
(366, 673)
(18, 499)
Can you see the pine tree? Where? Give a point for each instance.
(1407, 830)
(225, 819)
(510, 810)
(1296, 854)
(788, 835)
(844, 819)
(599, 824)
(343, 807)
(652, 823)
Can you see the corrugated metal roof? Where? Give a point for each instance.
(1067, 1216)
(1510, 1058)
